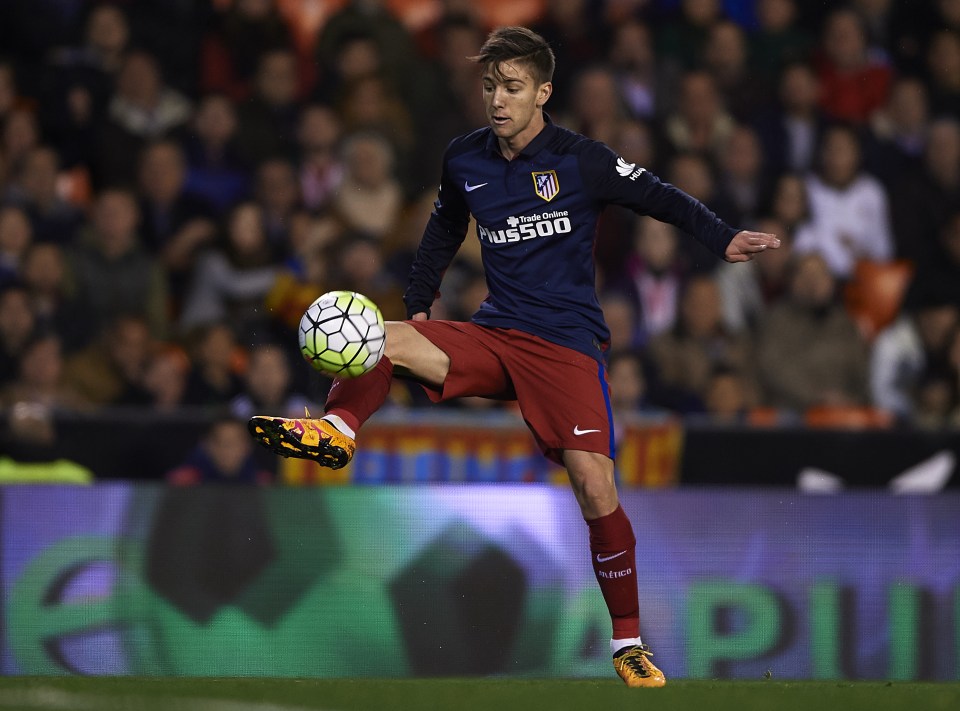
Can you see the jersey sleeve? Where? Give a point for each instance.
(614, 180)
(441, 240)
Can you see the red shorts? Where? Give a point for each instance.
(562, 394)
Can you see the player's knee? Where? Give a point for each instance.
(594, 487)
(414, 354)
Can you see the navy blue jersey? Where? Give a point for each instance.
(536, 221)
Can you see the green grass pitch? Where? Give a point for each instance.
(248, 694)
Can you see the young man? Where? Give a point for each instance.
(536, 191)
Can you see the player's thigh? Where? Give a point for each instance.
(564, 397)
(471, 363)
(414, 355)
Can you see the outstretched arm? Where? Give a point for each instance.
(614, 180)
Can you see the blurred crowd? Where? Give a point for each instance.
(180, 179)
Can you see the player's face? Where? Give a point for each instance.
(513, 100)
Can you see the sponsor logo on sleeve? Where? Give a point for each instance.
(629, 170)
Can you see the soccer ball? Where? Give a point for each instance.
(342, 334)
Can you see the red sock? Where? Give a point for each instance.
(613, 553)
(355, 399)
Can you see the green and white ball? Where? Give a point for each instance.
(342, 334)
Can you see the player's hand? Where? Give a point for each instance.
(422, 316)
(745, 244)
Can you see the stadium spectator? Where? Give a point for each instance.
(52, 218)
(232, 278)
(654, 277)
(277, 194)
(943, 73)
(110, 370)
(626, 374)
(212, 381)
(808, 349)
(939, 275)
(40, 379)
(629, 399)
(174, 225)
(685, 356)
(789, 204)
(923, 200)
(596, 107)
(111, 271)
(16, 236)
(356, 57)
(231, 51)
(778, 40)
(850, 214)
(790, 131)
(370, 105)
(633, 61)
(454, 106)
(898, 132)
(917, 343)
(17, 325)
(683, 37)
(700, 124)
(622, 318)
(9, 94)
(854, 79)
(305, 273)
(573, 25)
(165, 378)
(320, 167)
(373, 18)
(359, 267)
(878, 17)
(224, 456)
(742, 179)
(52, 300)
(142, 109)
(936, 400)
(21, 134)
(268, 119)
(726, 56)
(81, 78)
(725, 400)
(267, 384)
(747, 294)
(216, 171)
(370, 198)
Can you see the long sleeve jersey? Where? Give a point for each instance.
(536, 221)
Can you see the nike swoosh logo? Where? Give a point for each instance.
(470, 188)
(577, 431)
(605, 558)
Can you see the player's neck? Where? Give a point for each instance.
(510, 147)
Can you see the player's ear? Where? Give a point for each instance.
(543, 93)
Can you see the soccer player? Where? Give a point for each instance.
(536, 191)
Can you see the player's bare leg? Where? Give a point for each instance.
(330, 440)
(613, 555)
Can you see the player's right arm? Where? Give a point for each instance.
(441, 240)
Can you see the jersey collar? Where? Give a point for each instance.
(531, 149)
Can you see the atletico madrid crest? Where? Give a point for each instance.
(545, 184)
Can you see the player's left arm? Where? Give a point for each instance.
(614, 180)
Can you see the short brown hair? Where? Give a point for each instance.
(520, 44)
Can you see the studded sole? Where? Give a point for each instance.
(272, 435)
